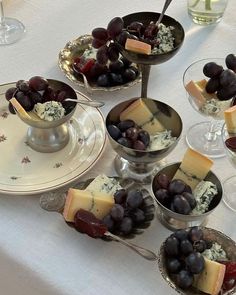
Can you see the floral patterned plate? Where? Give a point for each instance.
(25, 171)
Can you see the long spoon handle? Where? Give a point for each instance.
(91, 103)
(167, 3)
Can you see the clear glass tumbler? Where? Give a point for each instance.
(206, 12)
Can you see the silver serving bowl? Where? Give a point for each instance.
(211, 235)
(173, 220)
(51, 136)
(142, 165)
(75, 49)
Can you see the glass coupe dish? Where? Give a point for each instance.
(205, 137)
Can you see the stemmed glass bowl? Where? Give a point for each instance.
(142, 165)
(205, 137)
(230, 183)
(145, 61)
(11, 29)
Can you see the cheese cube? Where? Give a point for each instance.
(142, 116)
(138, 46)
(104, 184)
(197, 91)
(194, 168)
(211, 278)
(19, 108)
(230, 119)
(96, 203)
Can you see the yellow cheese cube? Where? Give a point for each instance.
(142, 116)
(197, 91)
(194, 168)
(211, 278)
(96, 203)
(230, 119)
(138, 46)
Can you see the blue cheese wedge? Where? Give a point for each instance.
(161, 140)
(204, 193)
(216, 252)
(49, 111)
(104, 184)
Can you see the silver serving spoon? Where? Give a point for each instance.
(167, 3)
(145, 253)
(91, 103)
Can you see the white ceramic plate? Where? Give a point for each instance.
(25, 171)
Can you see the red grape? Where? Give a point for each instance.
(100, 34)
(115, 27)
(102, 55)
(38, 83)
(10, 93)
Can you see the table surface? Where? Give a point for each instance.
(39, 253)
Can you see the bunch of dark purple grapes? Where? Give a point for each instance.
(119, 70)
(129, 135)
(127, 212)
(36, 90)
(222, 82)
(174, 194)
(183, 255)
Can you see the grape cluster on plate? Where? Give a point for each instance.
(106, 74)
(174, 194)
(127, 213)
(183, 256)
(129, 135)
(222, 81)
(36, 90)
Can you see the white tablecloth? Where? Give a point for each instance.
(39, 253)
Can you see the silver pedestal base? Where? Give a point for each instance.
(175, 224)
(48, 140)
(140, 172)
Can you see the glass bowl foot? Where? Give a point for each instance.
(11, 31)
(208, 144)
(229, 196)
(140, 172)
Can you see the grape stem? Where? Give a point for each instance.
(2, 16)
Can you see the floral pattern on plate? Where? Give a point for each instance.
(25, 171)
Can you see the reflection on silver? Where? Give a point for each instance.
(53, 201)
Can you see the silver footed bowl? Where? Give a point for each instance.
(142, 165)
(211, 235)
(173, 220)
(146, 17)
(51, 136)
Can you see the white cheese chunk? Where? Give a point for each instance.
(49, 111)
(161, 140)
(204, 192)
(104, 184)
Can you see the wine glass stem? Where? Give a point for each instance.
(212, 133)
(2, 17)
(145, 70)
